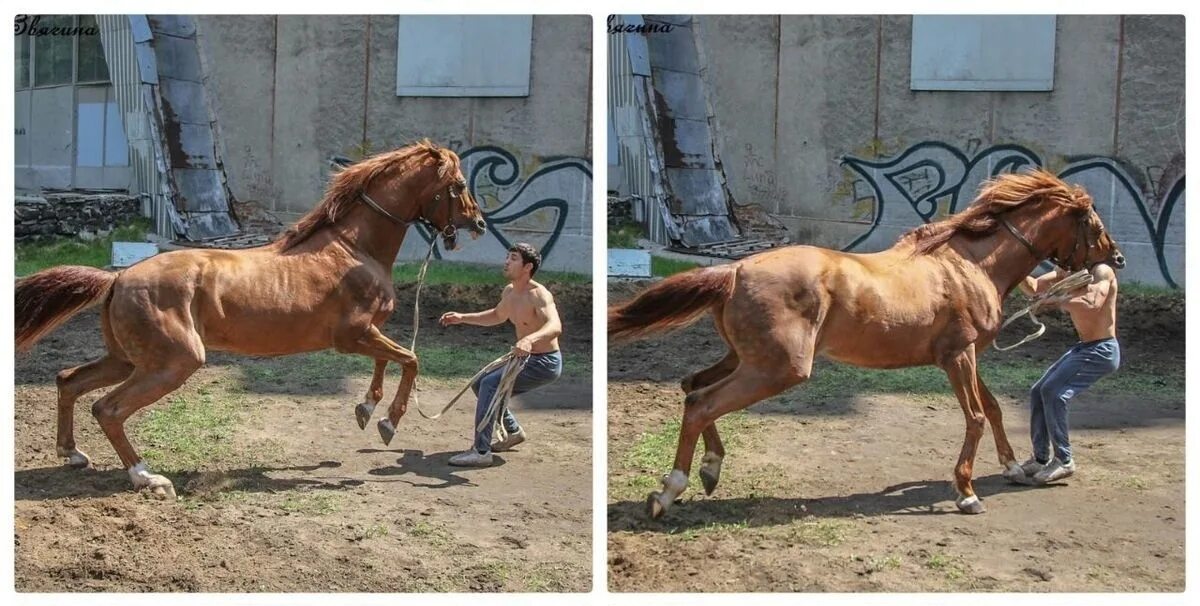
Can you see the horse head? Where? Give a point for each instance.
(447, 204)
(1060, 220)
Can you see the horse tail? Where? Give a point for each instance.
(672, 303)
(48, 298)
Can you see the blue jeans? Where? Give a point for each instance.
(540, 369)
(1074, 372)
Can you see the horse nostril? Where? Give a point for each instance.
(480, 225)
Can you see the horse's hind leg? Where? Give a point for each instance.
(73, 383)
(143, 387)
(362, 412)
(961, 371)
(714, 451)
(991, 409)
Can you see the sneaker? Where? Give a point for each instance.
(1031, 467)
(471, 458)
(1056, 470)
(512, 440)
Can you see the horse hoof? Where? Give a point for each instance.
(386, 431)
(709, 480)
(78, 460)
(970, 505)
(362, 414)
(654, 505)
(165, 492)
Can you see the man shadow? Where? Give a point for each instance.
(434, 466)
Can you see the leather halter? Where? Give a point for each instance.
(1081, 234)
(446, 231)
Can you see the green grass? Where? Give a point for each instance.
(189, 432)
(40, 254)
(322, 503)
(431, 534)
(653, 451)
(446, 272)
(662, 267)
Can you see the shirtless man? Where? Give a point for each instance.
(530, 308)
(1093, 310)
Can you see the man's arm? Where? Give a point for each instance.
(1033, 286)
(491, 317)
(1097, 292)
(552, 328)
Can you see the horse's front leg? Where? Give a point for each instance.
(991, 408)
(363, 412)
(960, 368)
(372, 343)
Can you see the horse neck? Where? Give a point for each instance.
(367, 232)
(1001, 257)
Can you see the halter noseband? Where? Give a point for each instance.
(446, 231)
(1080, 235)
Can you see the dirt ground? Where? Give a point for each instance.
(854, 494)
(305, 501)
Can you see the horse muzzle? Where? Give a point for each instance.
(1118, 260)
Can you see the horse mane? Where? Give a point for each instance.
(348, 185)
(997, 196)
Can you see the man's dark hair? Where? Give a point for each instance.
(529, 254)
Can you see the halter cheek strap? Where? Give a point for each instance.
(446, 231)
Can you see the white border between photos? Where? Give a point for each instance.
(598, 9)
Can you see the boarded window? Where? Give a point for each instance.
(464, 56)
(54, 55)
(983, 52)
(92, 67)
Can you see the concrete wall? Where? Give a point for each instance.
(290, 91)
(814, 112)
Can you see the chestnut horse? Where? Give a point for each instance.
(933, 298)
(326, 283)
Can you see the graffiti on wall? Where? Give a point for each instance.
(930, 180)
(537, 202)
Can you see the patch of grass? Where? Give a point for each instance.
(875, 564)
(189, 431)
(662, 267)
(320, 503)
(374, 531)
(1003, 375)
(547, 577)
(37, 255)
(448, 272)
(624, 235)
(951, 567)
(1147, 290)
(820, 533)
(431, 534)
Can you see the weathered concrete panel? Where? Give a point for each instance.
(697, 192)
(239, 57)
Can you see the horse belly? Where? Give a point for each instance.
(870, 346)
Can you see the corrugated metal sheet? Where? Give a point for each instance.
(155, 68)
(131, 80)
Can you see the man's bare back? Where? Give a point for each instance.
(1093, 308)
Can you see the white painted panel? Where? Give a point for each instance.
(628, 262)
(464, 55)
(89, 128)
(983, 52)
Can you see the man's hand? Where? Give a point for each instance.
(523, 347)
(450, 317)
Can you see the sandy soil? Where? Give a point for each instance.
(307, 502)
(854, 494)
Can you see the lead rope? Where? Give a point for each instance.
(1057, 293)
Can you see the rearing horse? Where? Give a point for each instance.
(933, 298)
(326, 283)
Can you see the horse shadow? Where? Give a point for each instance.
(59, 482)
(916, 498)
(435, 466)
